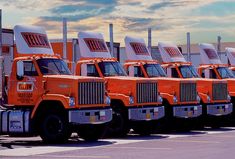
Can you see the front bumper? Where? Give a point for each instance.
(94, 116)
(220, 109)
(187, 111)
(145, 114)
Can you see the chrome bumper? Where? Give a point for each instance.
(149, 113)
(97, 116)
(220, 109)
(187, 111)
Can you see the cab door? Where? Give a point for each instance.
(25, 90)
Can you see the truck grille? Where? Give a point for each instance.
(188, 92)
(147, 92)
(220, 91)
(91, 93)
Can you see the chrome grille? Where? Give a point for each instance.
(147, 92)
(91, 93)
(188, 92)
(220, 91)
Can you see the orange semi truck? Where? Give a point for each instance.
(212, 67)
(230, 52)
(180, 96)
(213, 93)
(41, 96)
(136, 102)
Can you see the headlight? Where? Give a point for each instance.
(71, 101)
(131, 100)
(198, 99)
(229, 97)
(175, 99)
(208, 98)
(160, 99)
(107, 100)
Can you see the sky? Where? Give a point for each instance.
(170, 20)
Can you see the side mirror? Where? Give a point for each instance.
(83, 69)
(131, 71)
(20, 69)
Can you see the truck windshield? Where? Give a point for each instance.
(225, 72)
(53, 67)
(111, 69)
(188, 72)
(154, 70)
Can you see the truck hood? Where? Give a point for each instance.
(73, 78)
(231, 86)
(127, 78)
(77, 87)
(131, 86)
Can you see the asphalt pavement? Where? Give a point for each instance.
(207, 143)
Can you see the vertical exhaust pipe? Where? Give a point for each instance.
(188, 47)
(2, 76)
(150, 40)
(111, 39)
(64, 38)
(219, 45)
(0, 32)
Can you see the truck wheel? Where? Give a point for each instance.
(54, 128)
(92, 132)
(118, 127)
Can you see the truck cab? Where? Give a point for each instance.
(180, 96)
(213, 93)
(213, 68)
(41, 96)
(136, 102)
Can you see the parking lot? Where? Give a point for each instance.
(208, 143)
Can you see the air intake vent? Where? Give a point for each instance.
(188, 92)
(220, 91)
(91, 93)
(147, 92)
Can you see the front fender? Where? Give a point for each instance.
(203, 97)
(232, 94)
(51, 97)
(122, 97)
(168, 97)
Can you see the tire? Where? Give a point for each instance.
(54, 128)
(119, 126)
(92, 132)
(167, 123)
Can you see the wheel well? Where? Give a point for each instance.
(117, 105)
(168, 107)
(233, 99)
(165, 101)
(48, 106)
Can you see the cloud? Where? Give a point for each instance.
(140, 24)
(163, 5)
(81, 10)
(169, 19)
